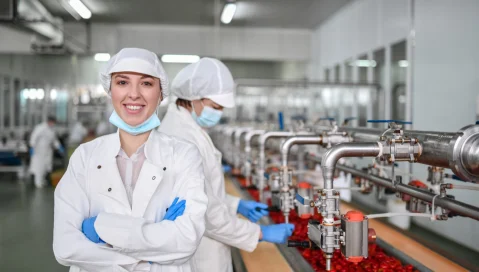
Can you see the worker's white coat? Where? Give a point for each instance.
(135, 234)
(43, 141)
(223, 227)
(77, 134)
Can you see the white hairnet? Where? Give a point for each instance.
(135, 60)
(207, 78)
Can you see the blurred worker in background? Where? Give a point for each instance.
(102, 128)
(43, 140)
(132, 200)
(77, 134)
(203, 90)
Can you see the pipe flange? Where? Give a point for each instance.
(463, 153)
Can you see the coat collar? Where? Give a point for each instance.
(114, 146)
(175, 112)
(158, 153)
(185, 115)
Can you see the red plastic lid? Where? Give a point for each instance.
(354, 216)
(355, 259)
(304, 185)
(305, 216)
(417, 183)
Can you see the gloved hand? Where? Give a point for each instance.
(88, 228)
(31, 151)
(226, 168)
(277, 234)
(176, 209)
(248, 210)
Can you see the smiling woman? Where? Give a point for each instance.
(135, 96)
(122, 192)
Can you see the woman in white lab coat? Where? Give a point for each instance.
(203, 89)
(112, 206)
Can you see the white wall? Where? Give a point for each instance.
(446, 84)
(445, 77)
(358, 28)
(72, 70)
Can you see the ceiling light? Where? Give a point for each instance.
(53, 94)
(102, 57)
(228, 13)
(33, 93)
(80, 8)
(363, 63)
(403, 63)
(40, 93)
(180, 58)
(26, 93)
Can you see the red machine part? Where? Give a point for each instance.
(377, 261)
(417, 184)
(354, 216)
(307, 186)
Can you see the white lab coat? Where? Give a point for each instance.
(92, 186)
(223, 227)
(77, 134)
(43, 140)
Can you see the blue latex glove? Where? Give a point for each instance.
(248, 210)
(176, 209)
(226, 168)
(31, 151)
(88, 228)
(277, 234)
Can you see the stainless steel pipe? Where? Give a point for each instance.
(237, 144)
(458, 207)
(458, 151)
(297, 140)
(262, 159)
(248, 138)
(332, 156)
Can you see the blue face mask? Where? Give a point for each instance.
(209, 117)
(146, 126)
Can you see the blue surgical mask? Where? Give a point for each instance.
(146, 126)
(209, 117)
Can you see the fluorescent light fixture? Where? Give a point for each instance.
(80, 8)
(228, 13)
(102, 57)
(40, 94)
(363, 63)
(180, 58)
(32, 94)
(403, 63)
(26, 93)
(53, 94)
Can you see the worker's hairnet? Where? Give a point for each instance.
(207, 78)
(135, 60)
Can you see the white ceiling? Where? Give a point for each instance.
(250, 13)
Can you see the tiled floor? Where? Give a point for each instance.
(26, 228)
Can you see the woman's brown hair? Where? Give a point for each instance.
(184, 103)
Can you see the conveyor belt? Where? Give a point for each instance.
(268, 257)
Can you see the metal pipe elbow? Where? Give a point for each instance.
(331, 157)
